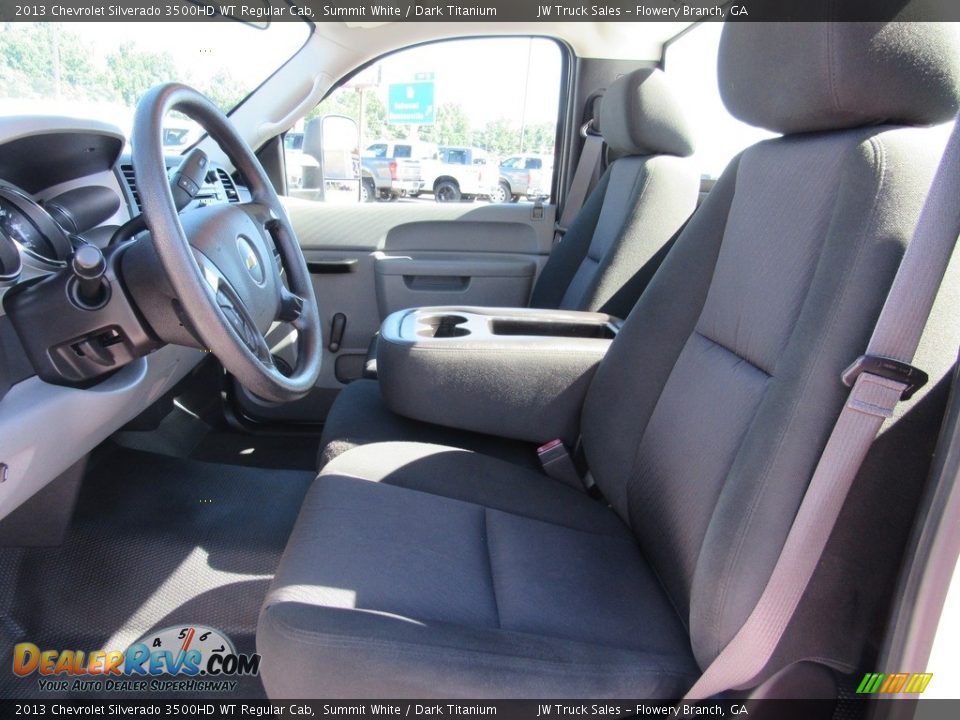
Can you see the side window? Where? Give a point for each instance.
(691, 64)
(432, 127)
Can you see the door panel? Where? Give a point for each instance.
(403, 281)
(369, 256)
(369, 260)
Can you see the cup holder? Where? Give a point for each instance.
(442, 326)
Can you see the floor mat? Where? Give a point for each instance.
(156, 541)
(183, 434)
(297, 452)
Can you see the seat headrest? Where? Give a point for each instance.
(640, 116)
(797, 77)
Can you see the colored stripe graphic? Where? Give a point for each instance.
(892, 683)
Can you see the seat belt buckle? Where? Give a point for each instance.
(557, 463)
(901, 372)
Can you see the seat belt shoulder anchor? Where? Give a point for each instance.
(914, 378)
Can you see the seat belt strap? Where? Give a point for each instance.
(587, 165)
(880, 380)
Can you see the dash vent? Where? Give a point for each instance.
(228, 186)
(131, 180)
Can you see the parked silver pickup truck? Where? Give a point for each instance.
(524, 175)
(392, 169)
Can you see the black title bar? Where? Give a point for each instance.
(229, 708)
(265, 11)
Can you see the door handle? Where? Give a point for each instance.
(331, 267)
(337, 326)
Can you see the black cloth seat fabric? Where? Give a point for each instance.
(424, 570)
(470, 577)
(362, 417)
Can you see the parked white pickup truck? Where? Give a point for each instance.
(392, 169)
(460, 173)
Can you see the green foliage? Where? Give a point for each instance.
(49, 60)
(223, 89)
(44, 60)
(452, 127)
(133, 71)
(539, 139)
(499, 137)
(346, 101)
(502, 137)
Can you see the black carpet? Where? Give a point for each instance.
(156, 541)
(297, 452)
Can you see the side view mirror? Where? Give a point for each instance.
(329, 164)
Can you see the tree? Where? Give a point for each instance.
(46, 60)
(499, 137)
(346, 101)
(223, 89)
(540, 138)
(133, 71)
(452, 127)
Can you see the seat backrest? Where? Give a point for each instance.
(706, 419)
(646, 194)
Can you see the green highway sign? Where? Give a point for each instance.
(410, 103)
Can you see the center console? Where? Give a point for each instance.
(520, 373)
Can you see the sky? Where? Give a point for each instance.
(196, 48)
(196, 45)
(488, 77)
(691, 67)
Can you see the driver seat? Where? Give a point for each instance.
(418, 570)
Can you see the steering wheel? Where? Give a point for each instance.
(227, 268)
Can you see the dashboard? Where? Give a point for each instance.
(66, 183)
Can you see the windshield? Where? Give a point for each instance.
(100, 70)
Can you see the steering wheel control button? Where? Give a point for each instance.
(187, 184)
(188, 178)
(250, 260)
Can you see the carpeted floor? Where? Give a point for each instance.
(156, 541)
(183, 434)
(264, 451)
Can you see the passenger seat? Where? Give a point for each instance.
(612, 248)
(416, 570)
(604, 262)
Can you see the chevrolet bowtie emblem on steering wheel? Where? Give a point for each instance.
(250, 260)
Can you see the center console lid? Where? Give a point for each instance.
(513, 372)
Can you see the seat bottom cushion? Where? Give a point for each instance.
(520, 587)
(360, 417)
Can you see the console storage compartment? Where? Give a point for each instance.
(520, 373)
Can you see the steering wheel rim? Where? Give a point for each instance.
(206, 295)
